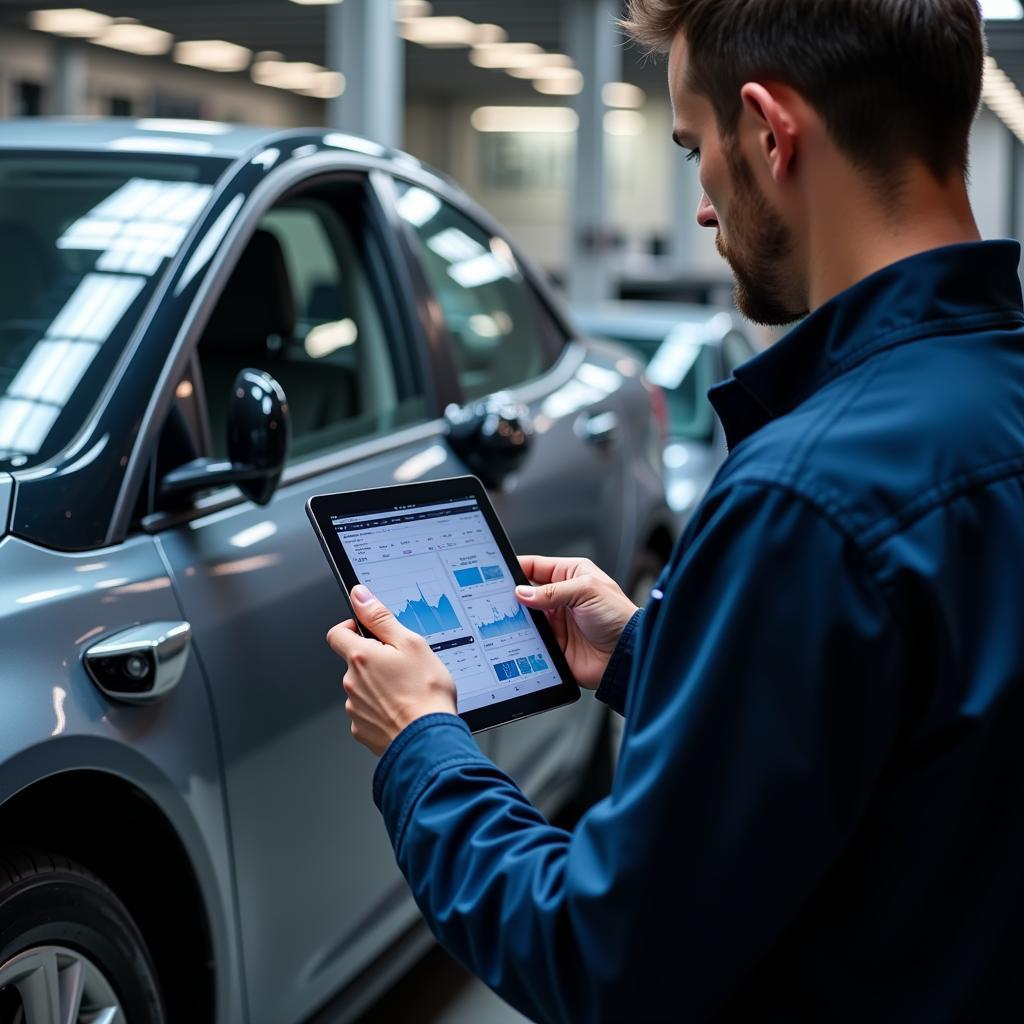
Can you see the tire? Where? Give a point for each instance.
(57, 917)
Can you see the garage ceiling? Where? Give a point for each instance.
(298, 32)
(442, 75)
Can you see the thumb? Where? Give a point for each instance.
(567, 594)
(375, 617)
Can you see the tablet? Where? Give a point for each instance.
(436, 555)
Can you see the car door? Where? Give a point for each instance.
(567, 496)
(315, 300)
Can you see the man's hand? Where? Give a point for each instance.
(585, 606)
(392, 681)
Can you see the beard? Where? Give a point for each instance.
(758, 251)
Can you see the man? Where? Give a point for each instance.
(818, 813)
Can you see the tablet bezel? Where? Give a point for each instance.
(321, 507)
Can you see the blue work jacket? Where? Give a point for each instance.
(818, 814)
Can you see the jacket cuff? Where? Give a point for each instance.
(414, 758)
(614, 684)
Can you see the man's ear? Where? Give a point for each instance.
(776, 125)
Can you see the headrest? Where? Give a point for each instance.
(27, 269)
(257, 301)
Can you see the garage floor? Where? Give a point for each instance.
(438, 991)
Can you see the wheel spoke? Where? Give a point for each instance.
(40, 991)
(72, 985)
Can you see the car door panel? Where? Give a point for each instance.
(319, 892)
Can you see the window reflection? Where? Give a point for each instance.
(88, 237)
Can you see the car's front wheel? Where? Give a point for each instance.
(69, 949)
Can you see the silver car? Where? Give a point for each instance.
(200, 327)
(686, 349)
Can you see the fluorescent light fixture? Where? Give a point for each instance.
(550, 73)
(440, 33)
(504, 55)
(1003, 98)
(213, 55)
(624, 122)
(130, 36)
(298, 76)
(560, 86)
(622, 94)
(412, 9)
(76, 22)
(525, 120)
(316, 3)
(1001, 10)
(490, 34)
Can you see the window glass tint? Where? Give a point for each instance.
(84, 241)
(303, 305)
(488, 307)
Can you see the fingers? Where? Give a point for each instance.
(566, 594)
(378, 619)
(542, 569)
(344, 638)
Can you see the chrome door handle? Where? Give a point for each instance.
(140, 664)
(600, 428)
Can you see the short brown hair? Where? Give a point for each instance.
(892, 79)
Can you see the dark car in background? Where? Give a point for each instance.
(184, 819)
(686, 349)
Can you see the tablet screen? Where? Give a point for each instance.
(438, 568)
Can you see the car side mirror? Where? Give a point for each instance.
(259, 432)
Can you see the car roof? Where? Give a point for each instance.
(157, 135)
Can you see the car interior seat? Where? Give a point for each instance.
(253, 325)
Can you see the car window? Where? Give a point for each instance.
(489, 309)
(305, 304)
(85, 240)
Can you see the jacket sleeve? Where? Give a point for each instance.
(614, 686)
(766, 698)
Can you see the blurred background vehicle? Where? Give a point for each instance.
(686, 349)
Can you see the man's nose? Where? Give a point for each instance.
(706, 216)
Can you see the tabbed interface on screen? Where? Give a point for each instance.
(439, 570)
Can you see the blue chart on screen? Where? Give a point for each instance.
(425, 618)
(500, 624)
(467, 577)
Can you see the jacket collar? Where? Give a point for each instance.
(957, 287)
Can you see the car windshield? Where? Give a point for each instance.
(83, 241)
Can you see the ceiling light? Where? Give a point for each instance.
(624, 122)
(1003, 98)
(298, 76)
(504, 55)
(490, 34)
(527, 120)
(412, 9)
(622, 94)
(130, 36)
(1001, 10)
(551, 74)
(213, 54)
(70, 21)
(560, 86)
(316, 3)
(325, 85)
(438, 32)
